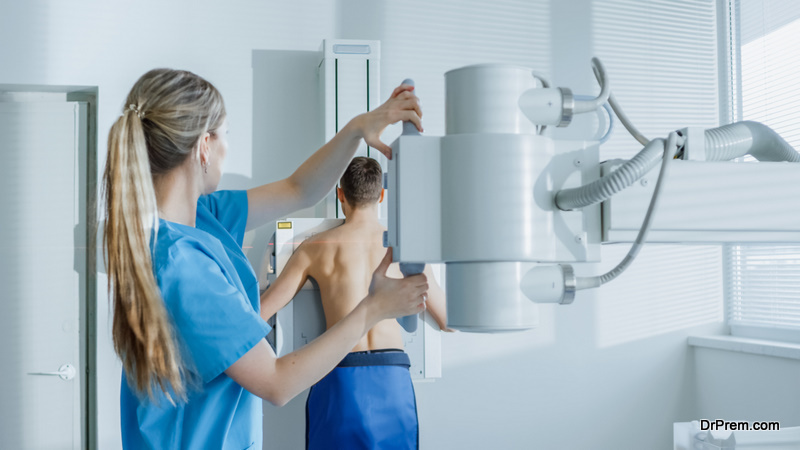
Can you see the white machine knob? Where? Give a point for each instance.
(550, 106)
(550, 284)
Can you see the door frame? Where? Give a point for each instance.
(88, 201)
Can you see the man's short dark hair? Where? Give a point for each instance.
(362, 182)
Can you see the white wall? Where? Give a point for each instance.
(610, 371)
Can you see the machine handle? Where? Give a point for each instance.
(409, 323)
(65, 372)
(409, 129)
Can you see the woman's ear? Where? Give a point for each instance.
(203, 151)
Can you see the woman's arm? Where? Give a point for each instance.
(320, 172)
(278, 380)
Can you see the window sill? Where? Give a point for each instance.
(748, 345)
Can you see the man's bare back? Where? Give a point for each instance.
(342, 262)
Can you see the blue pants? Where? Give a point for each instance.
(366, 402)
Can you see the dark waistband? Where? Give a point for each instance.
(383, 357)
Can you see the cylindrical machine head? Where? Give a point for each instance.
(485, 297)
(484, 98)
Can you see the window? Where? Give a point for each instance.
(661, 56)
(763, 281)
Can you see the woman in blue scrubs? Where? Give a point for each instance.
(186, 301)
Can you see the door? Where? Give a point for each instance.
(42, 273)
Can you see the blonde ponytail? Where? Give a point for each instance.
(166, 113)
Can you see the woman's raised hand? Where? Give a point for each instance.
(402, 105)
(393, 297)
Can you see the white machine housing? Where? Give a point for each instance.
(349, 81)
(481, 199)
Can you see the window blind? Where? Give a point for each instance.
(423, 40)
(763, 282)
(770, 58)
(763, 290)
(661, 56)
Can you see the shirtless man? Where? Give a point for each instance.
(368, 400)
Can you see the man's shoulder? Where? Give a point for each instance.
(320, 244)
(336, 236)
(328, 238)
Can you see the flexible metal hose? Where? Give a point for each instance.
(721, 144)
(747, 138)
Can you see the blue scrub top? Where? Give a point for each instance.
(211, 294)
